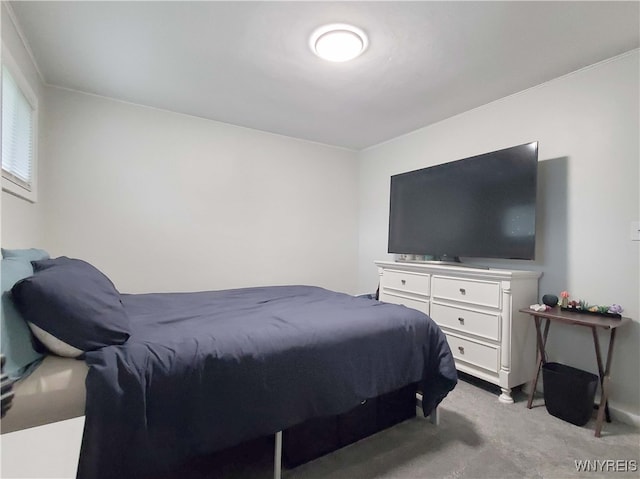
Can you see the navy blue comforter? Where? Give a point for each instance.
(204, 371)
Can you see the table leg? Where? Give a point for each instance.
(596, 343)
(604, 399)
(542, 355)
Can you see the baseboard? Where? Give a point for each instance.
(621, 415)
(625, 416)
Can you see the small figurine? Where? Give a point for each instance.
(615, 309)
(565, 299)
(539, 307)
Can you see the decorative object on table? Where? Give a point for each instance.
(565, 298)
(583, 307)
(615, 309)
(540, 307)
(550, 300)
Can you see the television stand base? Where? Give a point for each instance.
(437, 262)
(460, 264)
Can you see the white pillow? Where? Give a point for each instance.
(53, 344)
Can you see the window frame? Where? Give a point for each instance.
(8, 185)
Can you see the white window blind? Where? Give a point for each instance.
(17, 133)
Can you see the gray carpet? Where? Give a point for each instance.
(478, 437)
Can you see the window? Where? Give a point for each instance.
(19, 114)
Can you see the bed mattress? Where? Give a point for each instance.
(55, 391)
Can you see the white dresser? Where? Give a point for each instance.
(477, 309)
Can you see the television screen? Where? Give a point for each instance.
(483, 206)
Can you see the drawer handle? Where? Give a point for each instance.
(363, 402)
(463, 291)
(461, 320)
(403, 281)
(461, 349)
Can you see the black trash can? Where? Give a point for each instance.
(569, 392)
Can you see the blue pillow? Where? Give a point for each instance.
(73, 302)
(16, 341)
(30, 254)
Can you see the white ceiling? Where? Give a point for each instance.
(249, 64)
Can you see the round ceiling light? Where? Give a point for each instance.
(338, 42)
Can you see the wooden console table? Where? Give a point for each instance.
(578, 319)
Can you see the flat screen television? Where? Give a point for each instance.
(482, 206)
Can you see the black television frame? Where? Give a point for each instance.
(482, 206)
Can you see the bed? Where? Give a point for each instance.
(174, 375)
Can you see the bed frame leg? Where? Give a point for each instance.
(277, 456)
(434, 417)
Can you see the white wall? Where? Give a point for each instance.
(21, 219)
(587, 124)
(167, 202)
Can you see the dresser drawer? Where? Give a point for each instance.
(408, 282)
(467, 321)
(483, 293)
(410, 302)
(474, 353)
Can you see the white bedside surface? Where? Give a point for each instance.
(43, 452)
